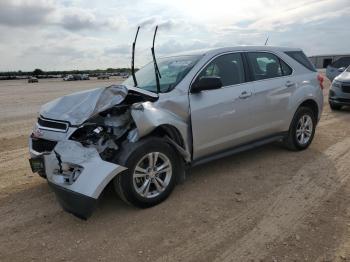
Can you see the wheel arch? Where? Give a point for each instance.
(173, 137)
(150, 120)
(312, 104)
(171, 131)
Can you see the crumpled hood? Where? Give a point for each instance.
(78, 107)
(343, 77)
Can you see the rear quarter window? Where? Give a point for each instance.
(302, 59)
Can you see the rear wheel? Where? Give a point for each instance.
(302, 129)
(153, 166)
(334, 106)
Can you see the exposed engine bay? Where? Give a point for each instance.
(100, 118)
(106, 131)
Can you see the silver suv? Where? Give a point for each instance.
(172, 114)
(339, 94)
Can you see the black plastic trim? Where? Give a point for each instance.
(339, 101)
(59, 125)
(75, 203)
(55, 120)
(41, 145)
(247, 69)
(240, 148)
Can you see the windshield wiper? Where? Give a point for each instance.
(133, 58)
(156, 69)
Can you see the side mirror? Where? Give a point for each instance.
(206, 83)
(341, 69)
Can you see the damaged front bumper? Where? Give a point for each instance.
(75, 203)
(78, 175)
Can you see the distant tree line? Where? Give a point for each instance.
(50, 74)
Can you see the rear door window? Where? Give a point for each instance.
(228, 67)
(266, 65)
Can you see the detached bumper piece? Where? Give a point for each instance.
(77, 204)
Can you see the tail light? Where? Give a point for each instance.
(320, 79)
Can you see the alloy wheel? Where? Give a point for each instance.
(304, 130)
(152, 175)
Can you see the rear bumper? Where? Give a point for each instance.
(75, 203)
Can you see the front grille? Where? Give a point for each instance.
(52, 124)
(346, 87)
(343, 100)
(43, 145)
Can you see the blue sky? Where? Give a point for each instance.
(90, 34)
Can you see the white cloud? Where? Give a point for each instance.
(304, 13)
(89, 33)
(25, 13)
(76, 19)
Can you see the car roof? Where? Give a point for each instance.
(237, 48)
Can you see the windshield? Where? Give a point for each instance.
(172, 71)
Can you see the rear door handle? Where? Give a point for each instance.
(290, 84)
(245, 95)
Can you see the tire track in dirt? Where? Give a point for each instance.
(16, 128)
(269, 213)
(39, 196)
(14, 169)
(314, 182)
(332, 121)
(13, 143)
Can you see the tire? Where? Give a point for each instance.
(334, 106)
(130, 185)
(300, 137)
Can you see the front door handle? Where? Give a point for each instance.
(245, 95)
(290, 84)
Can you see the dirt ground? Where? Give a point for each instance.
(268, 204)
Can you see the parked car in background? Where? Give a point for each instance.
(103, 76)
(85, 77)
(126, 75)
(141, 135)
(68, 78)
(77, 77)
(339, 94)
(33, 79)
(337, 67)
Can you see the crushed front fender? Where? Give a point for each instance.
(78, 176)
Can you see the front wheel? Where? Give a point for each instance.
(302, 129)
(153, 166)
